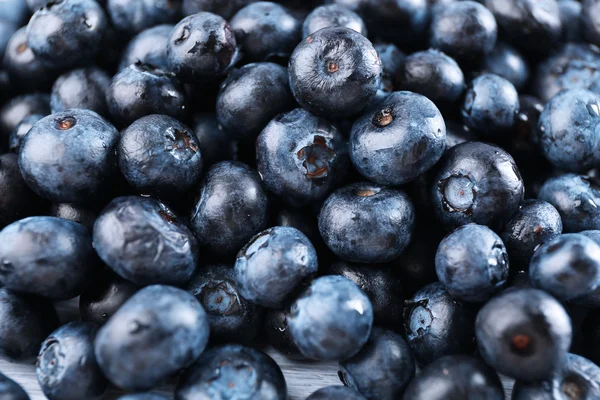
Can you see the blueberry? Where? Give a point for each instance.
(576, 198)
(104, 297)
(35, 5)
(382, 369)
(160, 156)
(20, 107)
(476, 182)
(66, 33)
(83, 215)
(391, 61)
(437, 325)
(508, 63)
(570, 14)
(11, 390)
(457, 133)
(149, 47)
(144, 242)
(278, 333)
(336, 393)
(266, 31)
(252, 96)
(66, 366)
(143, 396)
(17, 200)
(303, 219)
(592, 234)
(214, 144)
(523, 143)
(232, 372)
(231, 317)
(301, 158)
(14, 11)
(590, 22)
(82, 88)
(456, 377)
(535, 223)
(332, 15)
(231, 208)
(416, 267)
(202, 47)
(22, 129)
(26, 322)
(226, 9)
(132, 17)
(7, 29)
(69, 157)
(331, 320)
(398, 139)
(335, 73)
(523, 333)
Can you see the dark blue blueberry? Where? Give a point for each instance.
(476, 182)
(132, 17)
(332, 15)
(232, 372)
(367, 223)
(416, 267)
(331, 320)
(335, 72)
(214, 144)
(143, 396)
(46, 256)
(144, 242)
(457, 377)
(278, 333)
(391, 59)
(301, 158)
(226, 9)
(11, 390)
(143, 89)
(232, 318)
(14, 11)
(7, 29)
(17, 200)
(570, 14)
(457, 133)
(20, 107)
(398, 139)
(336, 393)
(252, 96)
(160, 156)
(231, 208)
(65, 33)
(590, 21)
(157, 332)
(522, 143)
(535, 223)
(83, 215)
(148, 47)
(202, 47)
(491, 105)
(22, 129)
(524, 333)
(437, 325)
(465, 30)
(25, 322)
(273, 265)
(81, 88)
(590, 330)
(303, 219)
(506, 62)
(382, 369)
(104, 297)
(577, 200)
(66, 367)
(70, 156)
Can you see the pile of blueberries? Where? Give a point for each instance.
(389, 184)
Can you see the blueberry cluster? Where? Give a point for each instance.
(387, 184)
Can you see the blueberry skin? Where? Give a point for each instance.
(278, 334)
(266, 31)
(232, 372)
(231, 208)
(160, 156)
(35, 5)
(66, 368)
(465, 30)
(592, 234)
(570, 14)
(398, 139)
(14, 11)
(576, 199)
(391, 61)
(69, 157)
(535, 223)
(132, 17)
(491, 105)
(20, 107)
(301, 157)
(202, 47)
(143, 396)
(158, 331)
(336, 393)
(26, 322)
(590, 22)
(231, 317)
(22, 129)
(476, 182)
(273, 265)
(225, 9)
(382, 369)
(82, 88)
(252, 96)
(332, 15)
(335, 73)
(456, 377)
(76, 213)
(11, 390)
(214, 144)
(149, 47)
(17, 200)
(104, 297)
(141, 90)
(506, 62)
(523, 333)
(67, 32)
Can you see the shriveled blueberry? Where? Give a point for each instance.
(214, 143)
(226, 9)
(336, 393)
(506, 62)
(132, 17)
(590, 22)
(148, 47)
(332, 15)
(20, 107)
(22, 129)
(278, 333)
(17, 200)
(81, 214)
(104, 297)
(391, 60)
(81, 88)
(11, 390)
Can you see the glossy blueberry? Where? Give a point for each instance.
(476, 182)
(69, 157)
(25, 321)
(570, 14)
(82, 88)
(226, 9)
(506, 62)
(232, 372)
(523, 143)
(231, 208)
(301, 157)
(104, 297)
(331, 320)
(590, 21)
(22, 129)
(149, 47)
(382, 369)
(80, 214)
(336, 393)
(398, 139)
(576, 198)
(535, 223)
(20, 107)
(214, 144)
(335, 72)
(523, 333)
(143, 396)
(332, 15)
(66, 367)
(202, 47)
(132, 17)
(456, 377)
(232, 318)
(158, 331)
(11, 390)
(252, 96)
(65, 33)
(17, 200)
(278, 333)
(391, 61)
